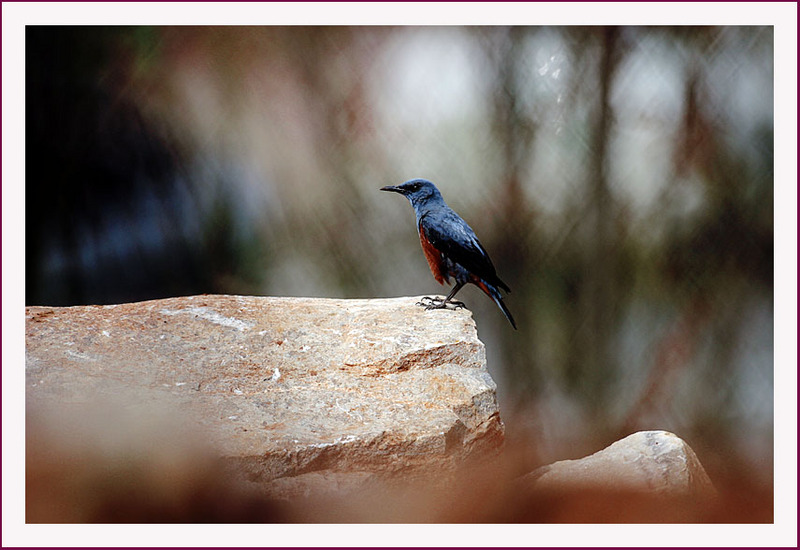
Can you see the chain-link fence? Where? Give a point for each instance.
(620, 178)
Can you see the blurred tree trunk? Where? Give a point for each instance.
(602, 257)
(514, 132)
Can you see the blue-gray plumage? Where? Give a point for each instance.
(450, 246)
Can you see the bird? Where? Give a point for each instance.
(451, 247)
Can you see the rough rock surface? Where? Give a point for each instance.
(657, 463)
(286, 388)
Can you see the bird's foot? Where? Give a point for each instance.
(439, 303)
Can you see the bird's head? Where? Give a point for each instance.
(418, 191)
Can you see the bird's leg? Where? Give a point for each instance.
(438, 303)
(449, 299)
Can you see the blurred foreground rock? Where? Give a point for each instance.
(656, 462)
(649, 476)
(299, 394)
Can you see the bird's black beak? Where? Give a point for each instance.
(392, 188)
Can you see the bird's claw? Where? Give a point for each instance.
(438, 303)
(430, 303)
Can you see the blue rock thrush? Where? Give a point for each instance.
(450, 246)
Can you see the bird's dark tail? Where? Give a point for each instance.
(494, 294)
(499, 302)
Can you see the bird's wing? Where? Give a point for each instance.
(451, 235)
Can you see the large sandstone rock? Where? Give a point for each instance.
(300, 393)
(320, 404)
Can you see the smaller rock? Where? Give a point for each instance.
(656, 463)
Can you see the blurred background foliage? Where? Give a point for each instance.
(620, 178)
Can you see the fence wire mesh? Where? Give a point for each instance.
(620, 178)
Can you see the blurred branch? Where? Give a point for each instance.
(673, 353)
